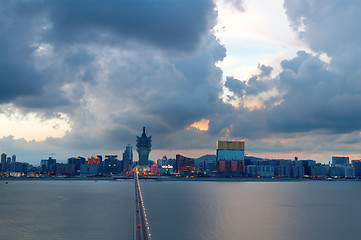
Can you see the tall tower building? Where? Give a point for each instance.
(3, 162)
(230, 156)
(144, 144)
(128, 158)
(12, 164)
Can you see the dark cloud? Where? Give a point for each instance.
(166, 24)
(236, 86)
(17, 75)
(113, 67)
(315, 95)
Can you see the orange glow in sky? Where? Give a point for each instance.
(201, 125)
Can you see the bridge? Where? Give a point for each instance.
(141, 226)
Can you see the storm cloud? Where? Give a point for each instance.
(314, 95)
(115, 66)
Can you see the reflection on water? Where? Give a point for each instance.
(66, 210)
(181, 210)
(254, 210)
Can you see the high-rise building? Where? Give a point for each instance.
(48, 165)
(184, 164)
(356, 164)
(12, 164)
(230, 156)
(336, 160)
(77, 161)
(144, 144)
(112, 165)
(8, 164)
(230, 150)
(3, 162)
(128, 158)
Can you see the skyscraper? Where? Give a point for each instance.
(12, 164)
(144, 144)
(230, 156)
(128, 158)
(3, 162)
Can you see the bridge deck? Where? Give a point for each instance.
(141, 227)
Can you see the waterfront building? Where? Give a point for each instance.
(154, 169)
(144, 144)
(112, 165)
(8, 164)
(163, 161)
(3, 162)
(284, 171)
(12, 164)
(251, 170)
(166, 169)
(208, 165)
(230, 150)
(90, 169)
(65, 169)
(128, 158)
(48, 165)
(320, 171)
(224, 166)
(265, 170)
(77, 161)
(307, 164)
(349, 172)
(184, 164)
(172, 162)
(94, 160)
(338, 171)
(17, 167)
(230, 157)
(26, 167)
(337, 160)
(298, 171)
(356, 164)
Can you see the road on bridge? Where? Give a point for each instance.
(141, 227)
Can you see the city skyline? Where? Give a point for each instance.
(81, 80)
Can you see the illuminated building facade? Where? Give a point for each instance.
(154, 168)
(166, 169)
(144, 144)
(94, 160)
(230, 157)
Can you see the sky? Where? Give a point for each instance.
(81, 78)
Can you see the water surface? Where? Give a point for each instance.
(181, 210)
(253, 210)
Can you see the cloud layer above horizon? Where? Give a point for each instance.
(112, 67)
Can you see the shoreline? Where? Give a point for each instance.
(174, 179)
